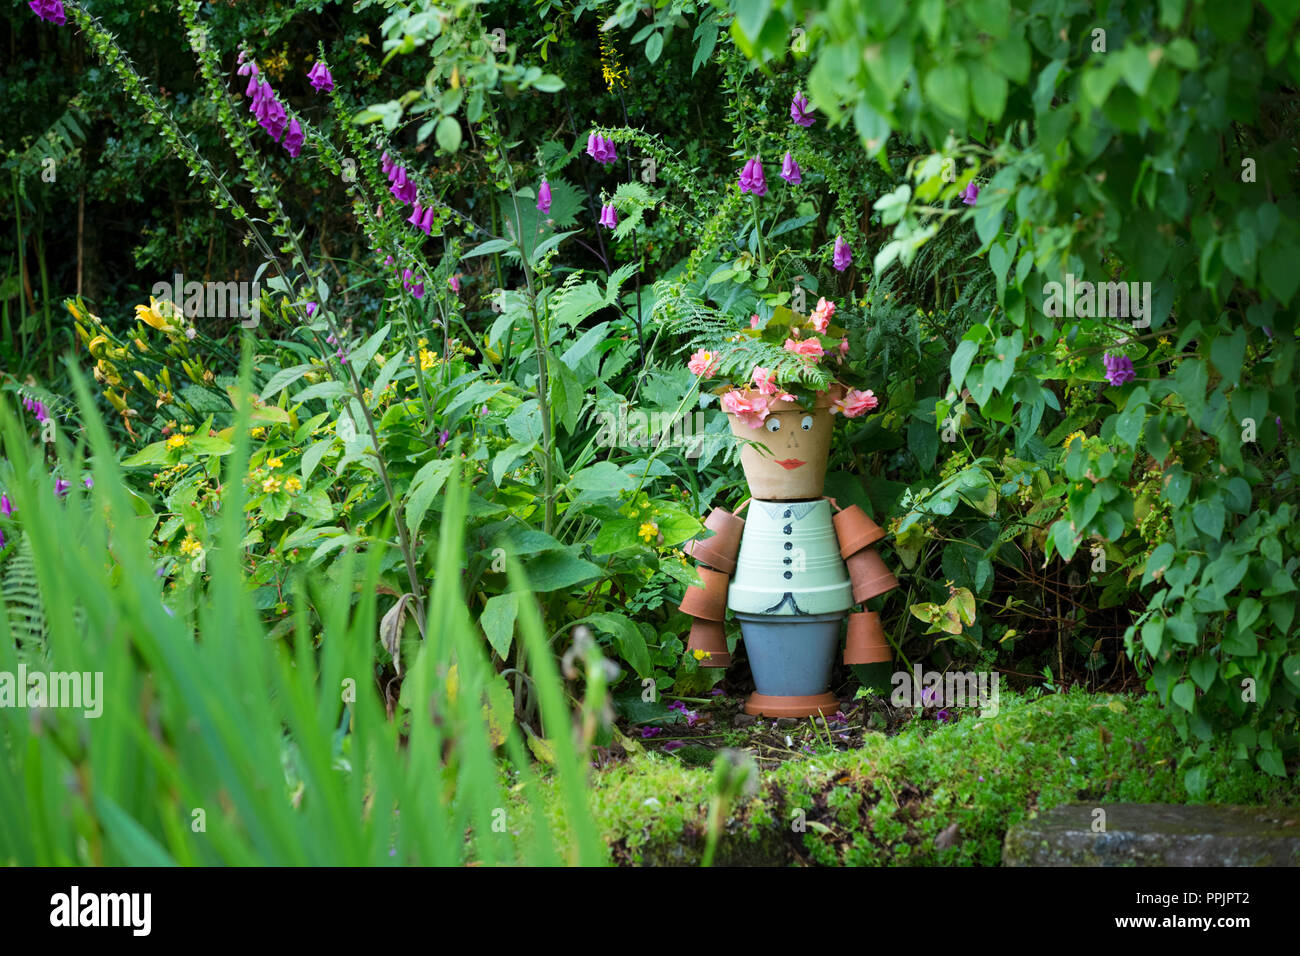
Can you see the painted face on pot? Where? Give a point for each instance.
(791, 463)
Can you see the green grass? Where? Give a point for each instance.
(219, 746)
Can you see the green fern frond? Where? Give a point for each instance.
(22, 605)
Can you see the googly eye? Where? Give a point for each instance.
(773, 424)
(806, 424)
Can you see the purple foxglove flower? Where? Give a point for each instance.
(341, 356)
(320, 77)
(416, 214)
(331, 340)
(293, 141)
(388, 261)
(406, 278)
(799, 111)
(417, 290)
(398, 179)
(790, 171)
(311, 309)
(386, 163)
(751, 178)
(601, 149)
(544, 197)
(426, 223)
(6, 508)
(249, 70)
(443, 438)
(608, 216)
(61, 487)
(1119, 369)
(971, 194)
(51, 10)
(454, 282)
(408, 192)
(2, 539)
(843, 255)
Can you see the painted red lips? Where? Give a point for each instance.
(790, 464)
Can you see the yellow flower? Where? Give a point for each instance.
(152, 316)
(177, 441)
(292, 485)
(1072, 436)
(423, 342)
(1164, 340)
(258, 432)
(648, 531)
(271, 485)
(190, 546)
(700, 655)
(427, 359)
(274, 463)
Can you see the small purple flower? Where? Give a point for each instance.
(928, 697)
(608, 216)
(51, 10)
(415, 215)
(544, 197)
(388, 261)
(341, 356)
(249, 69)
(2, 539)
(61, 487)
(426, 221)
(677, 705)
(311, 309)
(843, 255)
(454, 282)
(417, 290)
(293, 141)
(790, 171)
(403, 188)
(6, 508)
(88, 482)
(1119, 369)
(601, 149)
(716, 692)
(981, 778)
(320, 77)
(386, 162)
(674, 745)
(443, 437)
(799, 111)
(942, 716)
(751, 178)
(971, 194)
(648, 732)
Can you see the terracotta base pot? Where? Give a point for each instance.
(768, 705)
(869, 575)
(719, 550)
(710, 601)
(856, 531)
(866, 642)
(789, 461)
(710, 637)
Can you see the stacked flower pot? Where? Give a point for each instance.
(792, 573)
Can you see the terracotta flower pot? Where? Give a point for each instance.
(866, 643)
(788, 461)
(718, 551)
(869, 575)
(856, 531)
(710, 637)
(710, 601)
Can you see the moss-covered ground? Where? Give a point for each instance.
(916, 791)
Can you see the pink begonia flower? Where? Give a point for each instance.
(810, 349)
(822, 315)
(854, 403)
(844, 345)
(746, 405)
(764, 380)
(754, 321)
(703, 362)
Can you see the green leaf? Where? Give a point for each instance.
(654, 47)
(312, 456)
(448, 134)
(631, 642)
(1184, 696)
(426, 484)
(989, 90)
(1209, 517)
(555, 570)
(498, 621)
(283, 379)
(961, 361)
(946, 87)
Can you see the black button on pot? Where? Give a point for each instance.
(788, 545)
(788, 530)
(789, 575)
